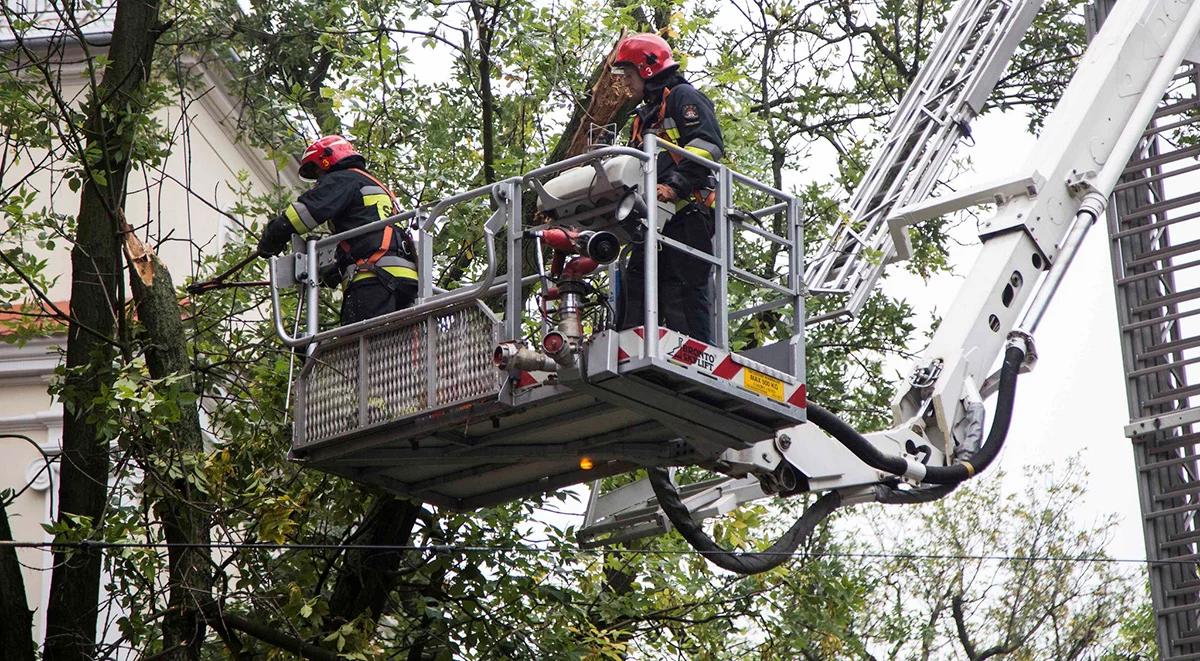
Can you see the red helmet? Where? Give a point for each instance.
(324, 154)
(649, 53)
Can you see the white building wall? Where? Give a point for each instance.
(207, 160)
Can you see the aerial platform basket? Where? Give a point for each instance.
(414, 402)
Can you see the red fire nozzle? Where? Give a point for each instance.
(603, 247)
(579, 267)
(559, 239)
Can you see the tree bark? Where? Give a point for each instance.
(184, 510)
(267, 634)
(607, 102)
(485, 29)
(96, 294)
(16, 620)
(368, 576)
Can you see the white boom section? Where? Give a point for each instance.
(950, 90)
(1062, 189)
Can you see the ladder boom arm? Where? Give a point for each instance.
(1030, 239)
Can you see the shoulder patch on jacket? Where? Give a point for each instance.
(691, 114)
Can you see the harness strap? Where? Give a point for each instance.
(706, 196)
(636, 131)
(390, 194)
(370, 263)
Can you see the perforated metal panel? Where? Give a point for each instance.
(384, 376)
(331, 385)
(463, 371)
(396, 374)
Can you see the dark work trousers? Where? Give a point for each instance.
(684, 282)
(369, 298)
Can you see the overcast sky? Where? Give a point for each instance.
(1073, 402)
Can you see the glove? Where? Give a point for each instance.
(275, 238)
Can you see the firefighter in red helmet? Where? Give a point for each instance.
(679, 113)
(377, 269)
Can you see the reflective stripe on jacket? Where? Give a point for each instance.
(347, 199)
(678, 112)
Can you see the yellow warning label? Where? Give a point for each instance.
(767, 386)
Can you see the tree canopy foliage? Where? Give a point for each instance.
(443, 96)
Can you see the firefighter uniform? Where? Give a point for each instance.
(677, 112)
(377, 269)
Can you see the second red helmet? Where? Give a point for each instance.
(324, 154)
(649, 53)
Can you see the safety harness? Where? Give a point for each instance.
(388, 268)
(704, 196)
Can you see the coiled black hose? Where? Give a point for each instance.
(942, 478)
(967, 466)
(735, 561)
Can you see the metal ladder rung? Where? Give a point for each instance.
(1175, 394)
(1186, 640)
(1176, 108)
(1156, 129)
(1159, 161)
(965, 59)
(1191, 508)
(1184, 625)
(1164, 367)
(1170, 463)
(1184, 588)
(1158, 224)
(1165, 205)
(1162, 253)
(1176, 492)
(1171, 610)
(1181, 561)
(1175, 346)
(1176, 443)
(1190, 537)
(1166, 318)
(1169, 299)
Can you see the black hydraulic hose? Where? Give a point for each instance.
(966, 467)
(890, 495)
(736, 561)
(978, 461)
(854, 441)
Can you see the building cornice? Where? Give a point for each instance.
(32, 363)
(41, 420)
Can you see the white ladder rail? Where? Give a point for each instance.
(948, 93)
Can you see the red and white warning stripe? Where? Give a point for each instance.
(717, 363)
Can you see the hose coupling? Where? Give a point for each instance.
(1024, 341)
(511, 356)
(558, 348)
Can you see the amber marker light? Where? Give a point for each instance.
(585, 463)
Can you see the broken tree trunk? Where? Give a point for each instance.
(96, 296)
(183, 508)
